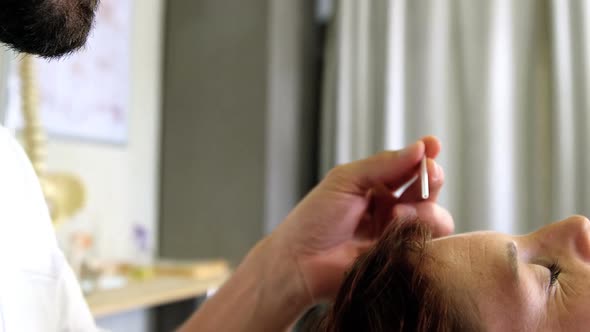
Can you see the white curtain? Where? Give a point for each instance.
(502, 83)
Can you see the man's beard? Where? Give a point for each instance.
(49, 28)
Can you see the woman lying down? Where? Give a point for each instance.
(480, 281)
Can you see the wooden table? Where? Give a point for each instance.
(155, 291)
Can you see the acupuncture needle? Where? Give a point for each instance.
(424, 178)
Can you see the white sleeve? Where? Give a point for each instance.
(74, 312)
(39, 291)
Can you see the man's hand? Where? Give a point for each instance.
(304, 260)
(348, 211)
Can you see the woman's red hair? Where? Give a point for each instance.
(389, 289)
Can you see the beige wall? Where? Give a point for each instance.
(122, 181)
(4, 65)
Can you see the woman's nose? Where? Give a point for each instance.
(571, 234)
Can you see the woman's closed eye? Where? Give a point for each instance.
(549, 280)
(555, 271)
(541, 267)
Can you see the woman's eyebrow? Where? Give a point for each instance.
(512, 254)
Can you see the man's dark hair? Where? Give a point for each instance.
(48, 28)
(389, 290)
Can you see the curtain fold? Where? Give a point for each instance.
(501, 82)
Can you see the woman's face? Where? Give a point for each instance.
(536, 282)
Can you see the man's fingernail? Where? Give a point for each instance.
(410, 148)
(405, 211)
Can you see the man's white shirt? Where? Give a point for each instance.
(38, 289)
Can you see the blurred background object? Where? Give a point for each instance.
(4, 70)
(63, 192)
(196, 126)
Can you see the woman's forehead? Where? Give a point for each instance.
(468, 246)
(471, 235)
